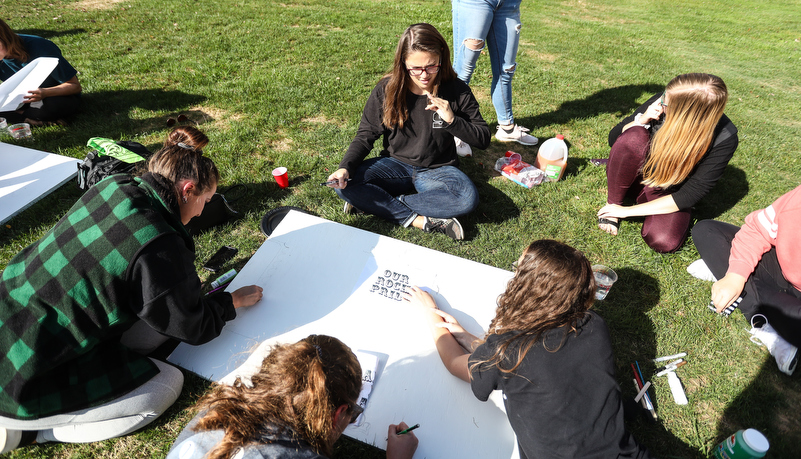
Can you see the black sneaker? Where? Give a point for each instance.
(448, 226)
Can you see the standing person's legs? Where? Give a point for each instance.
(116, 418)
(444, 192)
(503, 40)
(471, 24)
(375, 185)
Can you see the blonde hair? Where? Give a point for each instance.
(695, 105)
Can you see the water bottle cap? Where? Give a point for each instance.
(756, 440)
(560, 137)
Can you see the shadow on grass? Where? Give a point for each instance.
(770, 405)
(619, 101)
(732, 187)
(50, 34)
(634, 340)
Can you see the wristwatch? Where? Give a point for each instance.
(637, 121)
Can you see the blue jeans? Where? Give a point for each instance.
(497, 24)
(396, 191)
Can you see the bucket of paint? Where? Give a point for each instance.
(743, 444)
(552, 157)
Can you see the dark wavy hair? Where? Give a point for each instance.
(417, 37)
(299, 386)
(553, 287)
(181, 158)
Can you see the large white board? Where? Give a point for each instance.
(27, 175)
(321, 277)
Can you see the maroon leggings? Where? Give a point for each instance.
(663, 233)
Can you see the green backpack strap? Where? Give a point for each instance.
(110, 148)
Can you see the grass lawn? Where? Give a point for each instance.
(283, 83)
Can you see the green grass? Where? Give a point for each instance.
(284, 84)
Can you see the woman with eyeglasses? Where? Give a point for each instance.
(418, 108)
(297, 406)
(58, 97)
(82, 308)
(667, 157)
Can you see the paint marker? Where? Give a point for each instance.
(672, 364)
(332, 182)
(405, 431)
(218, 288)
(670, 357)
(224, 278)
(670, 369)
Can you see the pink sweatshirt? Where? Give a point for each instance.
(778, 225)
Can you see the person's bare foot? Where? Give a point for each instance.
(609, 225)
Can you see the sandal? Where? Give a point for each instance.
(606, 221)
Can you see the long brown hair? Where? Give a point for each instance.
(12, 42)
(182, 158)
(299, 386)
(695, 105)
(553, 287)
(417, 37)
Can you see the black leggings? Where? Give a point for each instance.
(53, 108)
(767, 291)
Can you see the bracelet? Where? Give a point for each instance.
(637, 121)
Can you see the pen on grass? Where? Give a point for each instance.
(641, 382)
(332, 182)
(218, 288)
(405, 431)
(672, 364)
(670, 368)
(670, 357)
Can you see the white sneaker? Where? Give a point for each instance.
(462, 148)
(519, 135)
(786, 354)
(699, 270)
(9, 439)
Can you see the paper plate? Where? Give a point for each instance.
(272, 218)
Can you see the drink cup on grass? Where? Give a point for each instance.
(604, 278)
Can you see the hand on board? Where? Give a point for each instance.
(247, 296)
(400, 446)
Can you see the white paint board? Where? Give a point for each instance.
(317, 277)
(27, 175)
(28, 78)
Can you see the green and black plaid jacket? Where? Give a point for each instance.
(63, 303)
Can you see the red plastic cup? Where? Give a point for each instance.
(281, 176)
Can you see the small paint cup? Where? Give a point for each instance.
(20, 131)
(513, 157)
(604, 278)
(281, 176)
(3, 123)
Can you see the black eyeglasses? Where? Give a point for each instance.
(430, 69)
(662, 100)
(355, 411)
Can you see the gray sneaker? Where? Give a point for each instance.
(519, 134)
(447, 226)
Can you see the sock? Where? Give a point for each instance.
(509, 131)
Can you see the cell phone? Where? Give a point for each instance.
(220, 258)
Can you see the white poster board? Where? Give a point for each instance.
(321, 277)
(16, 87)
(27, 175)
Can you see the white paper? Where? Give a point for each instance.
(14, 89)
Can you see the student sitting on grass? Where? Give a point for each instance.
(418, 108)
(295, 407)
(82, 307)
(760, 262)
(59, 96)
(549, 354)
(667, 157)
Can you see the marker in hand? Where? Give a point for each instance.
(405, 431)
(332, 182)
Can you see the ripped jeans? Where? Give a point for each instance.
(494, 24)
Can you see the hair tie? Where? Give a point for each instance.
(319, 351)
(185, 146)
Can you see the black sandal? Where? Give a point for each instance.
(606, 221)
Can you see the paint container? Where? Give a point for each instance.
(743, 444)
(224, 278)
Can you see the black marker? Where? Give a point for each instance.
(729, 309)
(332, 182)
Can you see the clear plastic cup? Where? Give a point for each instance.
(20, 130)
(604, 278)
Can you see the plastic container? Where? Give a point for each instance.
(743, 444)
(552, 157)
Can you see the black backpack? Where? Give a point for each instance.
(109, 157)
